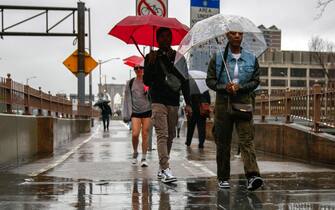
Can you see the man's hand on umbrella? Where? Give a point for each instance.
(188, 110)
(152, 56)
(236, 88)
(232, 88)
(229, 88)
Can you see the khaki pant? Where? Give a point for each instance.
(165, 120)
(223, 128)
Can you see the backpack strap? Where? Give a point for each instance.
(131, 82)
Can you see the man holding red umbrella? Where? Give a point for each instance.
(165, 83)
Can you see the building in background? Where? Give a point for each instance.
(272, 36)
(294, 70)
(61, 95)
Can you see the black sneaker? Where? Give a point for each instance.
(224, 184)
(254, 183)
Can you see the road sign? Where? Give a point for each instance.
(202, 9)
(154, 7)
(71, 63)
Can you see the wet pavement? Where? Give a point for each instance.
(99, 175)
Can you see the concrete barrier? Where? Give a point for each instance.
(23, 137)
(18, 138)
(296, 142)
(290, 141)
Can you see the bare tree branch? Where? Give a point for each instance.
(322, 5)
(323, 52)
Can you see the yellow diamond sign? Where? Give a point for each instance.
(71, 63)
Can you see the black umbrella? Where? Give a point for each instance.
(101, 102)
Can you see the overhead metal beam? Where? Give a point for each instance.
(25, 20)
(4, 31)
(37, 34)
(37, 8)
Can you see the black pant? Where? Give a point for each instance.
(200, 122)
(105, 120)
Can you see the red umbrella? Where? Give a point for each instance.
(142, 30)
(133, 61)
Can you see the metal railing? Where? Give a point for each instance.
(315, 105)
(22, 99)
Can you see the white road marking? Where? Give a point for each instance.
(124, 124)
(65, 156)
(202, 167)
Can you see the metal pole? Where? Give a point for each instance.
(90, 76)
(90, 51)
(81, 53)
(100, 91)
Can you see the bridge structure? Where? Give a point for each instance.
(51, 157)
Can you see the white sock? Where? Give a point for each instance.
(144, 156)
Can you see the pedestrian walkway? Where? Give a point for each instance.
(99, 175)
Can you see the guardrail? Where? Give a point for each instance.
(23, 99)
(316, 105)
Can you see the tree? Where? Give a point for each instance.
(323, 52)
(322, 5)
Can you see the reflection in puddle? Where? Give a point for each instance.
(282, 191)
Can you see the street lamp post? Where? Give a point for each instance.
(30, 78)
(100, 62)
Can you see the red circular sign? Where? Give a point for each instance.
(145, 8)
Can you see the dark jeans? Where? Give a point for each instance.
(200, 122)
(223, 129)
(105, 121)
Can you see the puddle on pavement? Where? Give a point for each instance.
(281, 191)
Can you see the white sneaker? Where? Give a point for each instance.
(144, 163)
(167, 176)
(224, 184)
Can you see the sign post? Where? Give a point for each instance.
(81, 53)
(152, 7)
(202, 9)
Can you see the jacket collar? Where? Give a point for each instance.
(231, 58)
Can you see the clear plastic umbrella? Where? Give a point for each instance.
(197, 82)
(208, 36)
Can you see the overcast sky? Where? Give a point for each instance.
(43, 56)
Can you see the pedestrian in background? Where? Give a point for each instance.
(137, 109)
(200, 107)
(165, 83)
(181, 116)
(105, 112)
(234, 76)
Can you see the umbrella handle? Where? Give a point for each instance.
(224, 62)
(132, 38)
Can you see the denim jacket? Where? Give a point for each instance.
(248, 74)
(246, 67)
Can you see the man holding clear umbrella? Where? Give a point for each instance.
(234, 76)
